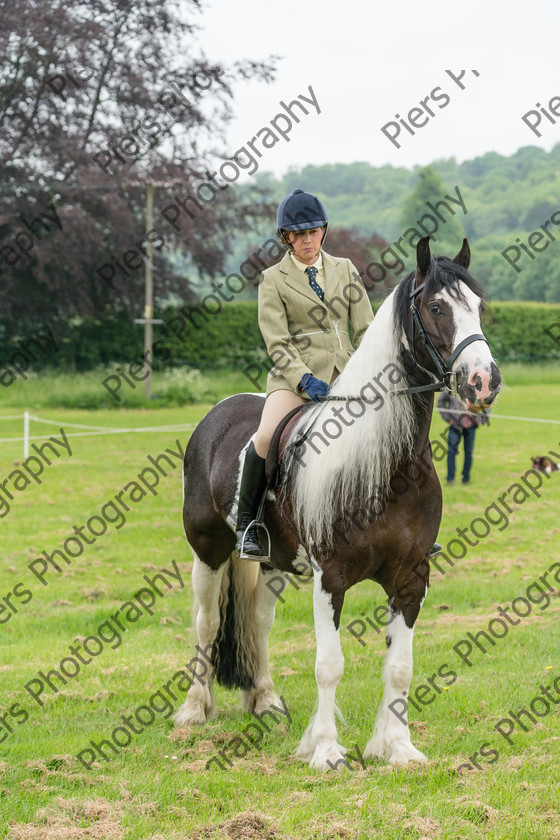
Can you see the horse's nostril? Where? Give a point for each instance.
(476, 381)
(479, 386)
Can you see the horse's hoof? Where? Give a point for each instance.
(191, 716)
(376, 747)
(403, 753)
(304, 750)
(265, 702)
(329, 757)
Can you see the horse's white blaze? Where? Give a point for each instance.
(476, 356)
(318, 745)
(335, 466)
(391, 737)
(206, 585)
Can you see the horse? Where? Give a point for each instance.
(358, 499)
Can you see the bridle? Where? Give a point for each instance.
(444, 368)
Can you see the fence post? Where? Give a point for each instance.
(25, 434)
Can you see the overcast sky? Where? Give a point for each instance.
(368, 62)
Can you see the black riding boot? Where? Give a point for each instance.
(253, 483)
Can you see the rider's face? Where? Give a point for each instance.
(306, 244)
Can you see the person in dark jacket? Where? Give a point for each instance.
(463, 424)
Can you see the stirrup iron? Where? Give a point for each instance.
(256, 557)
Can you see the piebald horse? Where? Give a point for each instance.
(359, 500)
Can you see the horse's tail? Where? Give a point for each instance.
(234, 653)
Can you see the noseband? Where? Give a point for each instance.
(444, 368)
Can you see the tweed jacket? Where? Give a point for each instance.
(304, 334)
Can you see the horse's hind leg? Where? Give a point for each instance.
(262, 696)
(207, 584)
(391, 736)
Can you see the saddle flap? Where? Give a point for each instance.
(278, 443)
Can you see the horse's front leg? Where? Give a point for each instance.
(391, 735)
(318, 745)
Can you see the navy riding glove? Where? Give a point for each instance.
(313, 387)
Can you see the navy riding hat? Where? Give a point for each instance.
(301, 211)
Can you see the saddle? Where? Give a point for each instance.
(277, 448)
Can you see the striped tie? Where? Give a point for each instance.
(312, 272)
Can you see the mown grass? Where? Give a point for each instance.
(173, 387)
(158, 786)
(170, 387)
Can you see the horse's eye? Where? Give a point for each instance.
(434, 308)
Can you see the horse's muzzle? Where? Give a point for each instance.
(478, 386)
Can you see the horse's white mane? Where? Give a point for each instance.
(352, 448)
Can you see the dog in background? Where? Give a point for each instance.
(544, 464)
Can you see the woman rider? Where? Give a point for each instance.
(307, 302)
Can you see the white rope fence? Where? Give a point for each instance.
(93, 430)
(175, 427)
(525, 419)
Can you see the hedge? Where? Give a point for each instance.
(231, 338)
(515, 332)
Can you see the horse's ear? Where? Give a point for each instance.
(423, 256)
(464, 256)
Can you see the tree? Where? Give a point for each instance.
(430, 189)
(369, 257)
(95, 98)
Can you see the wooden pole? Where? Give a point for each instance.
(149, 295)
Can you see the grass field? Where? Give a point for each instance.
(158, 785)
